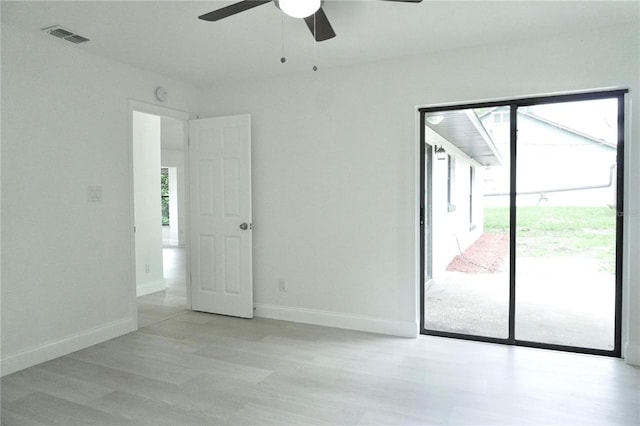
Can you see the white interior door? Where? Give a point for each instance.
(220, 198)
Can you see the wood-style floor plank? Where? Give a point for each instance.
(50, 382)
(151, 411)
(205, 369)
(44, 408)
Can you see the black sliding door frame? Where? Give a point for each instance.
(514, 104)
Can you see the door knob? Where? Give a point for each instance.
(244, 226)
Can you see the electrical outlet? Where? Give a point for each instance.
(147, 268)
(282, 285)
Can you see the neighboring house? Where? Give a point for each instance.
(457, 183)
(556, 165)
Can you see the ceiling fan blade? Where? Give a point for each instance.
(232, 9)
(320, 26)
(406, 1)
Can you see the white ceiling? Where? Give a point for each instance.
(166, 37)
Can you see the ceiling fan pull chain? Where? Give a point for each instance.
(315, 52)
(282, 58)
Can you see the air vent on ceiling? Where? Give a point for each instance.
(63, 33)
(76, 39)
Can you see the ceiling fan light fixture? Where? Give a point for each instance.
(299, 8)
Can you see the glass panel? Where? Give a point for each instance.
(468, 189)
(164, 195)
(566, 223)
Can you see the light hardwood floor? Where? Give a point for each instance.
(156, 307)
(202, 369)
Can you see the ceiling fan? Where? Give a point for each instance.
(310, 10)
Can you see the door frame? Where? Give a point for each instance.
(144, 107)
(514, 104)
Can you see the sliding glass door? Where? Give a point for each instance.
(467, 289)
(524, 232)
(566, 202)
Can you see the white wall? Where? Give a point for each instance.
(66, 262)
(146, 200)
(335, 165)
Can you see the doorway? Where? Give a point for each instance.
(158, 143)
(525, 246)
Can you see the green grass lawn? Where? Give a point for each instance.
(560, 231)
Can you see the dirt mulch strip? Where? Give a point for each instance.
(487, 255)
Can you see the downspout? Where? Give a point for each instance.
(575, 188)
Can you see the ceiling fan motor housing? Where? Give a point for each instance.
(314, 8)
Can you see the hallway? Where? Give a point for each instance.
(172, 301)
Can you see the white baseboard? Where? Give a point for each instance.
(150, 287)
(338, 320)
(56, 348)
(631, 354)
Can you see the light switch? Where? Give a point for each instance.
(94, 194)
